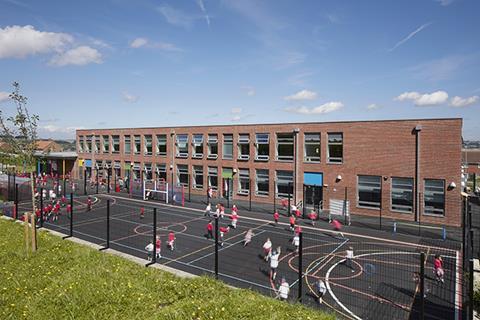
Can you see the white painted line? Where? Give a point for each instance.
(458, 290)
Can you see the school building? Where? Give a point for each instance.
(402, 169)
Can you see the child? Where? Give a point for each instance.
(274, 263)
(69, 209)
(292, 222)
(248, 237)
(158, 247)
(438, 268)
(313, 216)
(267, 249)
(223, 231)
(349, 258)
(217, 211)
(208, 210)
(321, 290)
(234, 218)
(171, 240)
(64, 200)
(234, 209)
(337, 226)
(142, 212)
(284, 290)
(89, 203)
(276, 216)
(296, 241)
(222, 211)
(149, 249)
(210, 230)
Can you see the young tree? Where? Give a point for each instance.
(19, 133)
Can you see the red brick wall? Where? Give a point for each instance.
(381, 148)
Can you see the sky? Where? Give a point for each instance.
(148, 63)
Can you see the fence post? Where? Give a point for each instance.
(108, 180)
(97, 181)
(108, 226)
(154, 239)
(85, 182)
(345, 207)
(41, 207)
(64, 186)
(228, 192)
(289, 196)
(422, 285)
(300, 267)
(9, 191)
(303, 201)
(216, 247)
(16, 201)
(189, 188)
(470, 285)
(250, 195)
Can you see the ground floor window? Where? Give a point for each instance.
(261, 185)
(161, 171)
(136, 171)
(213, 178)
(434, 196)
(244, 181)
(182, 175)
(402, 194)
(148, 171)
(197, 177)
(369, 191)
(284, 183)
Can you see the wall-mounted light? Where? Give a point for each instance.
(235, 170)
(339, 178)
(452, 185)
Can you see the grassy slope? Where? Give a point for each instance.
(64, 280)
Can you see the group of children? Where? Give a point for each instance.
(158, 246)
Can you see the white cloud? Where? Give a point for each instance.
(301, 95)
(249, 90)
(444, 2)
(4, 96)
(176, 17)
(237, 118)
(20, 42)
(373, 106)
(78, 56)
(427, 99)
(56, 129)
(205, 13)
(138, 42)
(411, 35)
(236, 110)
(129, 97)
(463, 102)
(324, 108)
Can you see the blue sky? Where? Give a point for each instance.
(122, 63)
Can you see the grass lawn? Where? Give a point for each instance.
(64, 280)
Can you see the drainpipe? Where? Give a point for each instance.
(416, 131)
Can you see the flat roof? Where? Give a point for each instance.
(277, 123)
(57, 155)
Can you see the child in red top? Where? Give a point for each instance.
(438, 268)
(276, 216)
(292, 223)
(158, 247)
(313, 216)
(234, 218)
(142, 212)
(64, 201)
(69, 209)
(222, 210)
(89, 204)
(38, 212)
(210, 230)
(171, 240)
(337, 226)
(223, 231)
(234, 208)
(298, 213)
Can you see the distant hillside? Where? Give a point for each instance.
(67, 145)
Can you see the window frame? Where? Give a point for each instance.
(195, 176)
(241, 178)
(115, 144)
(306, 157)
(373, 206)
(258, 143)
(105, 144)
(129, 137)
(334, 160)
(197, 143)
(242, 141)
(146, 144)
(212, 141)
(161, 168)
(289, 184)
(161, 141)
(137, 139)
(397, 207)
(181, 172)
(424, 206)
(267, 174)
(181, 139)
(283, 139)
(227, 143)
(212, 172)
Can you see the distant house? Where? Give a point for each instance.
(47, 146)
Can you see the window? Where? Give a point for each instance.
(213, 178)
(312, 147)
(182, 175)
(261, 185)
(161, 169)
(147, 167)
(285, 146)
(402, 194)
(147, 142)
(434, 197)
(137, 145)
(162, 144)
(116, 144)
(88, 144)
(335, 147)
(369, 191)
(197, 145)
(262, 147)
(182, 145)
(244, 147)
(212, 146)
(106, 144)
(284, 183)
(128, 145)
(136, 171)
(197, 177)
(97, 143)
(117, 169)
(243, 181)
(227, 146)
(80, 144)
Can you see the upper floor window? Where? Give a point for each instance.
(96, 144)
(106, 144)
(244, 147)
(312, 147)
(227, 146)
(182, 145)
(116, 144)
(197, 145)
(147, 142)
(88, 144)
(402, 194)
(285, 146)
(137, 145)
(369, 191)
(262, 146)
(128, 144)
(212, 146)
(434, 196)
(162, 144)
(335, 147)
(80, 144)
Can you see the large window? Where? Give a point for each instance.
(161, 169)
(402, 194)
(136, 171)
(434, 196)
(261, 183)
(161, 144)
(244, 147)
(243, 181)
(182, 174)
(285, 146)
(97, 144)
(137, 145)
(197, 177)
(197, 146)
(262, 151)
(227, 146)
(88, 144)
(335, 147)
(182, 145)
(128, 145)
(369, 191)
(284, 183)
(213, 177)
(312, 147)
(80, 144)
(106, 144)
(212, 146)
(148, 147)
(147, 169)
(116, 144)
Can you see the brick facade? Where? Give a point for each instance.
(378, 148)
